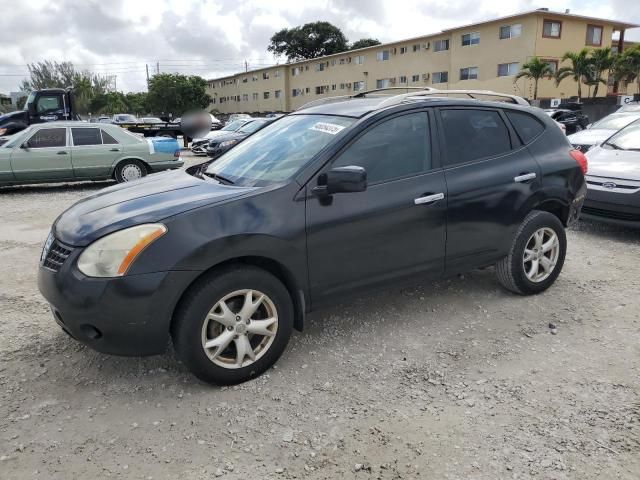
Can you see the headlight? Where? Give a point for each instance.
(113, 254)
(228, 143)
(3, 131)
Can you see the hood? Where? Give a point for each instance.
(590, 136)
(11, 118)
(230, 136)
(623, 164)
(210, 135)
(151, 199)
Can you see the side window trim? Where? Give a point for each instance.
(513, 139)
(66, 140)
(376, 123)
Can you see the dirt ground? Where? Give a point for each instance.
(457, 379)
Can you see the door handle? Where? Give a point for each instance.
(62, 152)
(114, 150)
(524, 177)
(428, 199)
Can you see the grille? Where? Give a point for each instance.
(633, 217)
(56, 256)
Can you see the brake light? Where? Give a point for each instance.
(176, 154)
(580, 159)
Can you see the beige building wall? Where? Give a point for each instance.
(416, 63)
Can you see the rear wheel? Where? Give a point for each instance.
(536, 256)
(129, 170)
(233, 325)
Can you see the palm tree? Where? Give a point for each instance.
(627, 66)
(601, 61)
(580, 68)
(535, 69)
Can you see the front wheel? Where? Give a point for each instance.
(233, 325)
(536, 256)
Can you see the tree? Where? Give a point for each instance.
(580, 68)
(627, 66)
(20, 102)
(363, 43)
(601, 62)
(177, 94)
(108, 103)
(311, 40)
(136, 102)
(535, 69)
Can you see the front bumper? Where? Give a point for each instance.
(619, 205)
(199, 148)
(128, 315)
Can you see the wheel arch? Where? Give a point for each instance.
(556, 207)
(124, 159)
(277, 269)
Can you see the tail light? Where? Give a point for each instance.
(176, 154)
(580, 159)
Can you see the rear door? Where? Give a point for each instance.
(491, 178)
(93, 152)
(43, 156)
(390, 230)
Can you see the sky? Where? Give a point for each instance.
(215, 37)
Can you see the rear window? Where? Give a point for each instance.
(527, 126)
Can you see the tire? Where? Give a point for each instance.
(200, 319)
(517, 271)
(129, 170)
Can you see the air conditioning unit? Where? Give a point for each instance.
(425, 76)
(427, 45)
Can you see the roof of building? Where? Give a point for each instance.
(540, 11)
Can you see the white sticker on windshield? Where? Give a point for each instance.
(330, 128)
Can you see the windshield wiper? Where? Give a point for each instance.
(613, 145)
(218, 177)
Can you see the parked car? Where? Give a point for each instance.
(199, 145)
(629, 107)
(152, 120)
(573, 120)
(613, 181)
(601, 130)
(124, 118)
(328, 201)
(104, 119)
(237, 116)
(221, 143)
(80, 151)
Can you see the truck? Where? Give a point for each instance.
(52, 104)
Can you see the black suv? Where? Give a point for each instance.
(327, 201)
(572, 119)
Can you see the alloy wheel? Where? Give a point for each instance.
(131, 172)
(541, 254)
(239, 329)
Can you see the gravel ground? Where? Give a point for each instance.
(450, 380)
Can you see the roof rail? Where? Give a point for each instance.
(415, 94)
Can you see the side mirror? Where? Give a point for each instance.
(588, 126)
(342, 180)
(31, 108)
(25, 145)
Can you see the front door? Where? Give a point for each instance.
(393, 229)
(491, 179)
(43, 156)
(93, 156)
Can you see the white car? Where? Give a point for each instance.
(599, 131)
(199, 145)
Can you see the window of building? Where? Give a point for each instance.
(245, 79)
(469, 73)
(472, 134)
(296, 92)
(265, 95)
(382, 83)
(402, 79)
(265, 75)
(254, 78)
(395, 148)
(307, 90)
(333, 62)
(441, 45)
(306, 67)
(48, 138)
(472, 38)
(245, 97)
(403, 50)
(276, 74)
(86, 136)
(320, 67)
(553, 63)
(510, 31)
(254, 96)
(507, 69)
(552, 29)
(342, 85)
(382, 55)
(416, 47)
(594, 35)
(278, 93)
(295, 71)
(359, 60)
(440, 77)
(415, 78)
(527, 126)
(333, 86)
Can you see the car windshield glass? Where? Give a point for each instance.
(233, 126)
(252, 127)
(17, 138)
(126, 118)
(30, 99)
(626, 139)
(280, 150)
(615, 122)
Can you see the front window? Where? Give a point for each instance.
(279, 151)
(615, 122)
(48, 138)
(17, 138)
(30, 99)
(233, 126)
(48, 104)
(626, 139)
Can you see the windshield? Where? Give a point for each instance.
(126, 118)
(615, 121)
(252, 126)
(280, 150)
(626, 139)
(30, 99)
(17, 138)
(233, 126)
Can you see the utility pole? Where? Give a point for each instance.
(157, 67)
(147, 65)
(246, 66)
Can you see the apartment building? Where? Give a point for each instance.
(485, 55)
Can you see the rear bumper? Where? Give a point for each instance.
(168, 165)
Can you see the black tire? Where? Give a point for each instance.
(129, 163)
(511, 269)
(188, 322)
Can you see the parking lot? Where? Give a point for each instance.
(457, 379)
